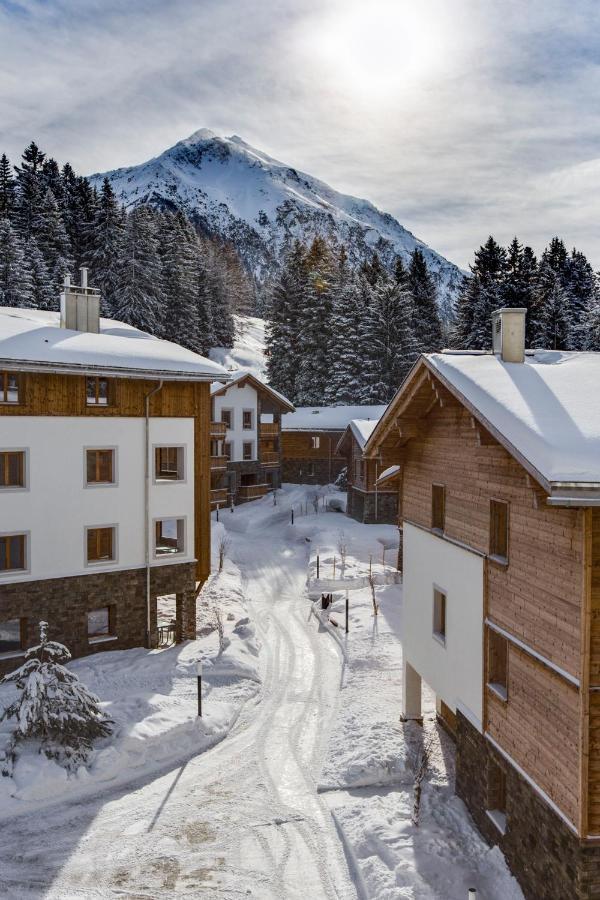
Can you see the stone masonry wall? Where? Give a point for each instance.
(65, 602)
(546, 857)
(361, 506)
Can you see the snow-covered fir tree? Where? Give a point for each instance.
(426, 324)
(282, 322)
(8, 191)
(314, 325)
(51, 236)
(15, 275)
(53, 707)
(179, 277)
(106, 245)
(30, 188)
(390, 339)
(139, 295)
(43, 293)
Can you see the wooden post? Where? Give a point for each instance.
(370, 564)
(347, 609)
(199, 678)
(292, 515)
(317, 566)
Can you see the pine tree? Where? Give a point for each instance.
(204, 322)
(373, 270)
(15, 277)
(8, 193)
(53, 707)
(550, 314)
(314, 325)
(480, 296)
(52, 239)
(221, 301)
(580, 287)
(350, 352)
(282, 339)
(105, 246)
(139, 294)
(30, 187)
(43, 295)
(426, 325)
(390, 341)
(179, 275)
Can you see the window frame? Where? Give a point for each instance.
(228, 453)
(439, 617)
(5, 374)
(315, 442)
(95, 563)
(182, 539)
(12, 573)
(9, 654)
(497, 661)
(181, 464)
(100, 484)
(500, 558)
(94, 404)
(438, 505)
(228, 410)
(252, 456)
(249, 427)
(24, 468)
(111, 634)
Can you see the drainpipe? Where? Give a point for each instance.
(147, 504)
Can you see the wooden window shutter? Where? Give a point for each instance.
(438, 506)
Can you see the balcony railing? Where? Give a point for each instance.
(218, 429)
(218, 463)
(219, 497)
(269, 428)
(253, 491)
(269, 458)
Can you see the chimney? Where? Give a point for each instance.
(80, 306)
(508, 333)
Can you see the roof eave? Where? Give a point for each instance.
(11, 365)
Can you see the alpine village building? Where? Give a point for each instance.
(499, 501)
(104, 478)
(245, 440)
(310, 438)
(372, 492)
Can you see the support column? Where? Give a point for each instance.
(411, 694)
(185, 616)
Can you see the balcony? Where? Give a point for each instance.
(269, 458)
(218, 463)
(269, 429)
(253, 491)
(218, 430)
(219, 497)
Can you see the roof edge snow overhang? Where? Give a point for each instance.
(12, 365)
(574, 493)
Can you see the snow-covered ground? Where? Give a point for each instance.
(310, 794)
(248, 351)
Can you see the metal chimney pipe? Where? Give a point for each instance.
(84, 271)
(67, 281)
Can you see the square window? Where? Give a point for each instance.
(12, 552)
(497, 659)
(9, 387)
(100, 466)
(438, 507)
(248, 450)
(169, 463)
(315, 442)
(100, 622)
(97, 391)
(169, 537)
(499, 530)
(439, 615)
(247, 420)
(227, 417)
(11, 635)
(101, 544)
(12, 468)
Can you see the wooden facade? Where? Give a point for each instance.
(367, 500)
(311, 456)
(544, 599)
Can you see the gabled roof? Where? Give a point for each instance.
(247, 377)
(544, 411)
(328, 418)
(360, 429)
(32, 340)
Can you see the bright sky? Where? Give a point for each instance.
(460, 117)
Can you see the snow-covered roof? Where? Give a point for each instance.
(329, 418)
(33, 340)
(219, 388)
(362, 429)
(388, 474)
(546, 409)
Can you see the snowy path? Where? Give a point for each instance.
(243, 819)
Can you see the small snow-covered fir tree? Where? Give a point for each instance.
(53, 707)
(15, 275)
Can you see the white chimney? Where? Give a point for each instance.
(508, 333)
(80, 306)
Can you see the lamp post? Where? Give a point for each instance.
(199, 678)
(347, 605)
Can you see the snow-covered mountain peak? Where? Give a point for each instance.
(260, 205)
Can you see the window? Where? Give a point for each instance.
(439, 615)
(497, 658)
(227, 417)
(496, 795)
(227, 451)
(438, 507)
(247, 420)
(499, 530)
(169, 537)
(311, 470)
(169, 463)
(315, 442)
(247, 450)
(12, 468)
(12, 634)
(12, 552)
(101, 623)
(100, 468)
(97, 391)
(100, 544)
(9, 387)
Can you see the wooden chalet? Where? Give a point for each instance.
(371, 497)
(498, 458)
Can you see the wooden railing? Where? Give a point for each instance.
(218, 429)
(269, 428)
(219, 496)
(253, 491)
(269, 458)
(218, 462)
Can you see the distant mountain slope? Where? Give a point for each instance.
(260, 205)
(248, 351)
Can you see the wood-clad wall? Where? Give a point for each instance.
(537, 597)
(65, 395)
(594, 669)
(298, 444)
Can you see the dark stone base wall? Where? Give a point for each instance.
(296, 470)
(545, 856)
(65, 602)
(361, 506)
